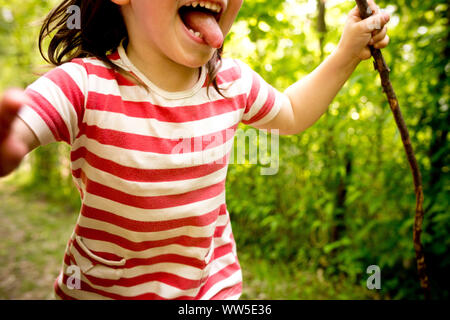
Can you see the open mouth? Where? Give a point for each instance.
(201, 18)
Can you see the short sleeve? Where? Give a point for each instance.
(263, 101)
(57, 101)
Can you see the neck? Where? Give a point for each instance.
(163, 72)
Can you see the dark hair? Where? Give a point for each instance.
(101, 31)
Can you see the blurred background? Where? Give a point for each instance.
(343, 198)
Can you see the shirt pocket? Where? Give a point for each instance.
(93, 265)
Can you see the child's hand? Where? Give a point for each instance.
(12, 147)
(359, 34)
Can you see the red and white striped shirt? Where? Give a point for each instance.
(150, 166)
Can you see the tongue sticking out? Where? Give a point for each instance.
(207, 25)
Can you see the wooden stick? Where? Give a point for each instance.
(383, 69)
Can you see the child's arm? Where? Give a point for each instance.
(310, 97)
(16, 138)
(49, 110)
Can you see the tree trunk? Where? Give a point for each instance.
(341, 197)
(321, 26)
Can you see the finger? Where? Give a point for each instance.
(383, 43)
(10, 104)
(383, 20)
(12, 152)
(379, 35)
(375, 22)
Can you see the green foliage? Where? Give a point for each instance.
(300, 215)
(343, 198)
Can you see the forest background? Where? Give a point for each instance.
(343, 197)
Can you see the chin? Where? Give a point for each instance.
(197, 62)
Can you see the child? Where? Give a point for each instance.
(129, 83)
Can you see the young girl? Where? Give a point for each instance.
(134, 80)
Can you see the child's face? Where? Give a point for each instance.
(163, 26)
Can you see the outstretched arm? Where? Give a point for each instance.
(16, 138)
(310, 97)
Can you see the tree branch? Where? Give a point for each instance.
(383, 69)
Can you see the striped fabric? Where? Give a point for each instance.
(150, 167)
